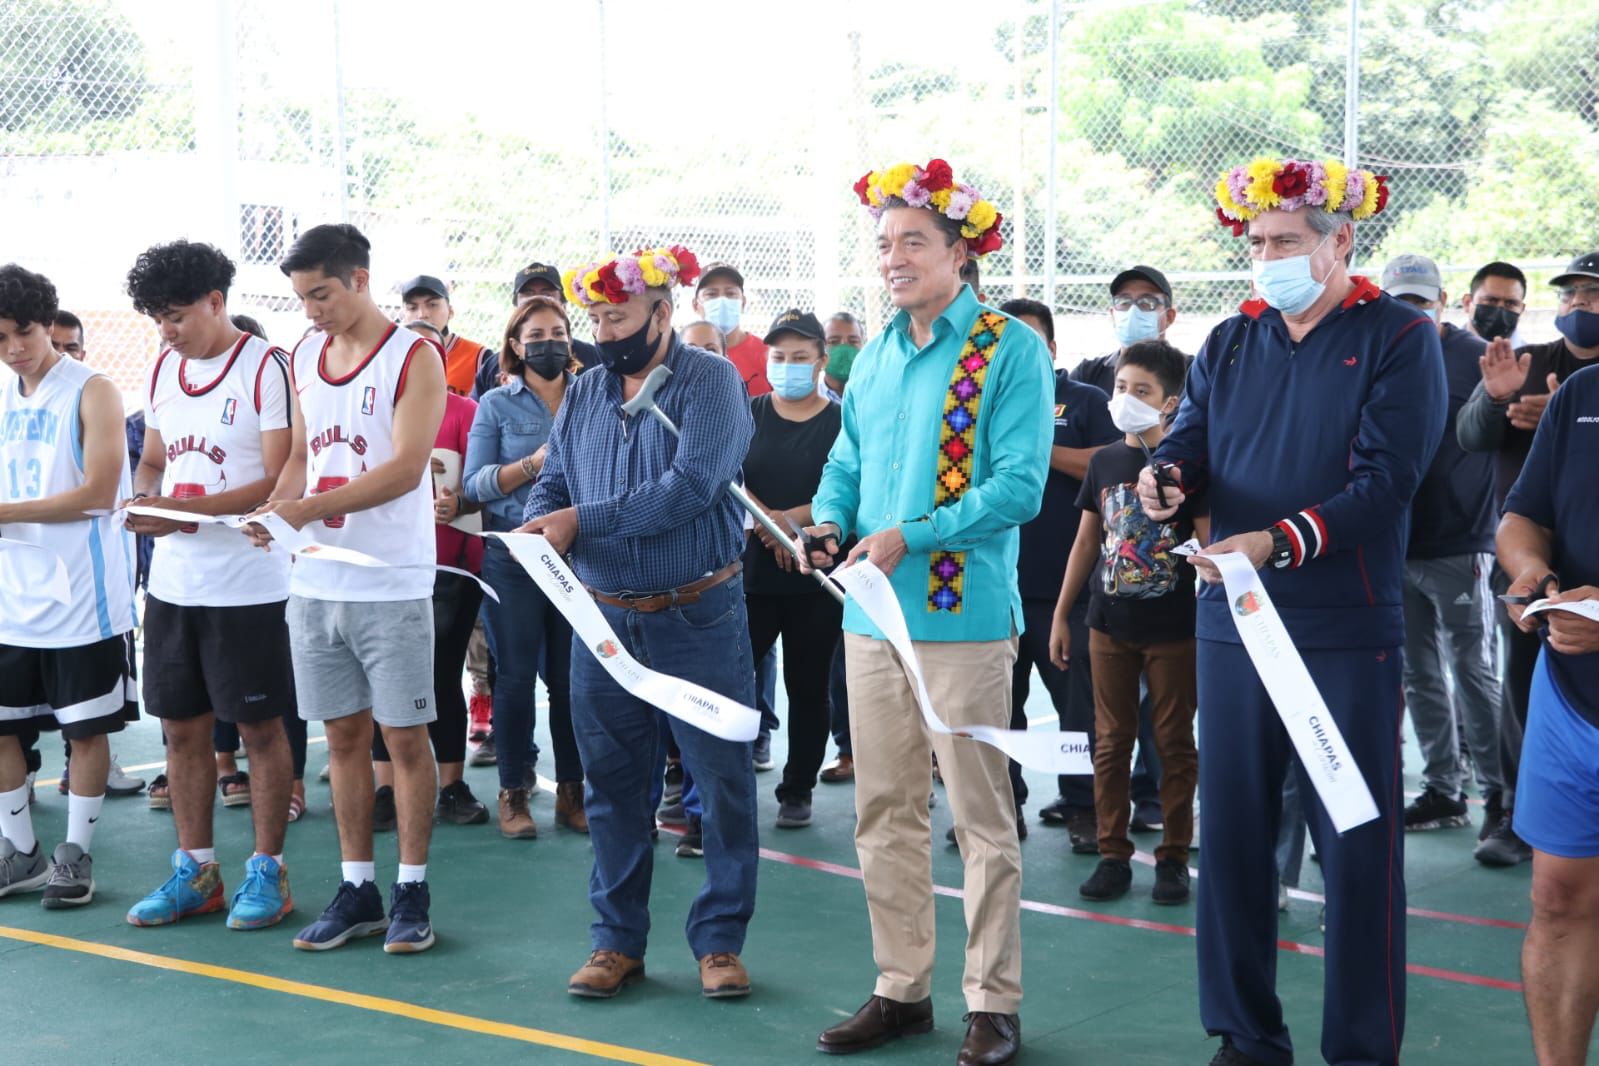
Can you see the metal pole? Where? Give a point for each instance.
(605, 138)
(1018, 218)
(1352, 89)
(339, 163)
(1051, 234)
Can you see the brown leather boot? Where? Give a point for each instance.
(722, 976)
(569, 811)
(516, 822)
(605, 974)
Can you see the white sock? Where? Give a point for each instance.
(202, 855)
(16, 821)
(82, 813)
(278, 859)
(412, 873)
(358, 873)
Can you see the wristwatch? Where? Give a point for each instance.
(1282, 552)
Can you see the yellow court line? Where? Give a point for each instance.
(156, 765)
(399, 1008)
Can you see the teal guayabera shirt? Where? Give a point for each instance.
(885, 463)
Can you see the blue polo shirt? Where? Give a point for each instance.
(1082, 420)
(1556, 490)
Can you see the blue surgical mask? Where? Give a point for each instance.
(791, 381)
(723, 312)
(1287, 284)
(1136, 325)
(1579, 327)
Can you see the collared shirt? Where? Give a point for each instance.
(653, 510)
(512, 421)
(881, 470)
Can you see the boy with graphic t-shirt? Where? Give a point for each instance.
(1141, 623)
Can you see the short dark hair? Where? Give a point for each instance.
(246, 324)
(26, 297)
(172, 275)
(1032, 309)
(949, 227)
(1169, 366)
(336, 249)
(68, 320)
(1499, 269)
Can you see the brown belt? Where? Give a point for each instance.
(660, 601)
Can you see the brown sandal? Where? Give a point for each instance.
(235, 789)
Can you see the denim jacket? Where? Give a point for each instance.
(512, 422)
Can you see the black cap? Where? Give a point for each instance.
(715, 270)
(800, 323)
(1146, 273)
(1584, 266)
(538, 272)
(424, 283)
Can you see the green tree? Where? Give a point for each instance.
(65, 63)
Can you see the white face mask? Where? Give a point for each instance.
(1132, 415)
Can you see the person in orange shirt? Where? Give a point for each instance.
(428, 299)
(719, 299)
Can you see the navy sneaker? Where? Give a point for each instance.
(409, 928)
(354, 912)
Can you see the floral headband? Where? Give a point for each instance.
(934, 186)
(616, 278)
(1268, 184)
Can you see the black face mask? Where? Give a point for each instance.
(547, 359)
(631, 353)
(1492, 322)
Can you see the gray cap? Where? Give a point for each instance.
(1412, 275)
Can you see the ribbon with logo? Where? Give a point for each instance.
(1045, 750)
(684, 700)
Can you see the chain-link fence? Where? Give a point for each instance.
(470, 139)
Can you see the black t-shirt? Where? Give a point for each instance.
(1099, 371)
(1554, 358)
(1082, 420)
(1142, 593)
(783, 469)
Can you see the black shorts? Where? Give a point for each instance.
(230, 661)
(81, 691)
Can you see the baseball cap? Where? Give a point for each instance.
(1412, 275)
(424, 283)
(1584, 266)
(723, 270)
(795, 321)
(1145, 273)
(537, 272)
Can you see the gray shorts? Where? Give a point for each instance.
(352, 656)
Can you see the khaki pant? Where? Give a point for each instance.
(969, 683)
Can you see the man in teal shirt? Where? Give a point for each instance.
(943, 454)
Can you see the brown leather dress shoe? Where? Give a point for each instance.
(722, 976)
(605, 974)
(569, 810)
(842, 769)
(877, 1022)
(991, 1040)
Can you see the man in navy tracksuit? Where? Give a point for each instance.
(1310, 418)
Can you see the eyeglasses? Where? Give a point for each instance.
(1579, 293)
(1146, 302)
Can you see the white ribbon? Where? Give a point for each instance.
(34, 569)
(1588, 609)
(1046, 750)
(1293, 692)
(684, 700)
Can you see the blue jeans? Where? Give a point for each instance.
(531, 640)
(620, 741)
(766, 692)
(838, 693)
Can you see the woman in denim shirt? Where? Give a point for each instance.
(530, 638)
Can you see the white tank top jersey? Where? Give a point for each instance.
(349, 429)
(211, 414)
(41, 454)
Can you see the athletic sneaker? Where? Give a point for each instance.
(119, 783)
(21, 872)
(1503, 847)
(672, 814)
(762, 752)
(1147, 817)
(673, 784)
(691, 845)
(384, 815)
(264, 898)
(1110, 880)
(71, 881)
(793, 814)
(480, 712)
(409, 928)
(483, 754)
(354, 912)
(194, 888)
(458, 806)
(1434, 810)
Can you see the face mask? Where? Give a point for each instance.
(1287, 284)
(1431, 312)
(1138, 325)
(1581, 328)
(1492, 322)
(723, 312)
(547, 359)
(840, 357)
(629, 354)
(791, 381)
(1132, 415)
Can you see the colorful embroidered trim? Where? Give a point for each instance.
(957, 438)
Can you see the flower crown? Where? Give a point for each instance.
(934, 186)
(1268, 184)
(616, 278)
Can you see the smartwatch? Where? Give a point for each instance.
(1282, 552)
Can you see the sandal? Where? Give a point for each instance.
(296, 807)
(235, 789)
(160, 794)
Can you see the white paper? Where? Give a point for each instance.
(1293, 692)
(451, 479)
(33, 569)
(684, 700)
(1588, 609)
(1046, 750)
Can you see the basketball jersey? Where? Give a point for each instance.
(211, 414)
(349, 429)
(41, 455)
